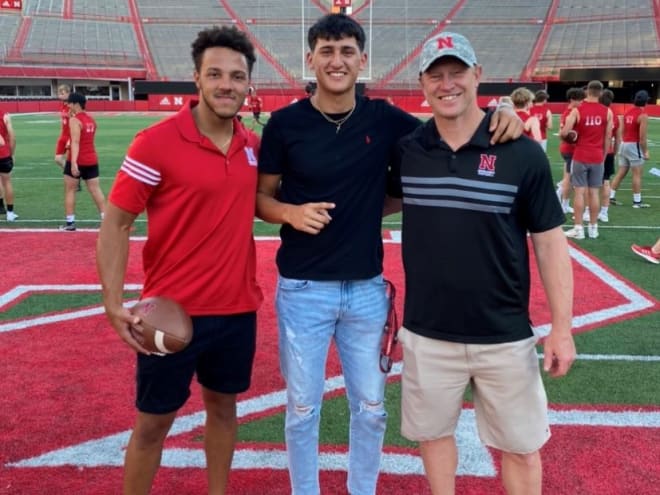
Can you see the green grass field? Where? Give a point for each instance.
(634, 380)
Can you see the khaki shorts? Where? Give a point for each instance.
(509, 398)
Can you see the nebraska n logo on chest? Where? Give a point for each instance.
(487, 165)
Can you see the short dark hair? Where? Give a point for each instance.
(78, 98)
(606, 97)
(594, 88)
(641, 98)
(540, 96)
(575, 94)
(225, 37)
(336, 27)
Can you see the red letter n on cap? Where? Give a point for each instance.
(447, 42)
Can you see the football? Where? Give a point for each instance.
(571, 137)
(164, 326)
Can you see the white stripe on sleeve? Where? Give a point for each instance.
(140, 171)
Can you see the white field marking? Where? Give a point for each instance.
(474, 458)
(21, 290)
(636, 301)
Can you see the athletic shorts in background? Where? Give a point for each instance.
(87, 172)
(630, 155)
(568, 158)
(510, 403)
(586, 174)
(608, 166)
(220, 353)
(6, 165)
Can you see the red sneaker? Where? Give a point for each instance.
(646, 253)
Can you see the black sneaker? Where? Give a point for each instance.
(639, 204)
(615, 202)
(2, 209)
(69, 227)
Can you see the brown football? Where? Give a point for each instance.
(571, 137)
(164, 325)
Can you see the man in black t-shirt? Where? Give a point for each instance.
(467, 208)
(322, 175)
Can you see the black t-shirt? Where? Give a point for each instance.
(464, 242)
(348, 168)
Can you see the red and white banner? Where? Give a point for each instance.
(11, 5)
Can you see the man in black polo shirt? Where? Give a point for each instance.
(467, 208)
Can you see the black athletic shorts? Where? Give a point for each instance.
(609, 166)
(568, 159)
(221, 354)
(6, 165)
(87, 172)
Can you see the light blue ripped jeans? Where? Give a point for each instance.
(310, 314)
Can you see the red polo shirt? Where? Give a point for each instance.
(200, 207)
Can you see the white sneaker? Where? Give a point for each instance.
(576, 232)
(593, 231)
(585, 216)
(603, 217)
(11, 216)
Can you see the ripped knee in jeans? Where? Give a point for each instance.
(303, 411)
(374, 407)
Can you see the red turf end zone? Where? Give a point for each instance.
(58, 395)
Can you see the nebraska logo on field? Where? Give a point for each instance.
(487, 165)
(73, 424)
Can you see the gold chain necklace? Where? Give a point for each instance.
(337, 122)
(228, 141)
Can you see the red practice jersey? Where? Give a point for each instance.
(254, 103)
(86, 151)
(200, 206)
(525, 116)
(615, 128)
(590, 148)
(541, 113)
(5, 149)
(564, 147)
(631, 125)
(65, 133)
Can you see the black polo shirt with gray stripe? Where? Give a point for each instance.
(466, 214)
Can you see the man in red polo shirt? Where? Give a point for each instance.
(195, 174)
